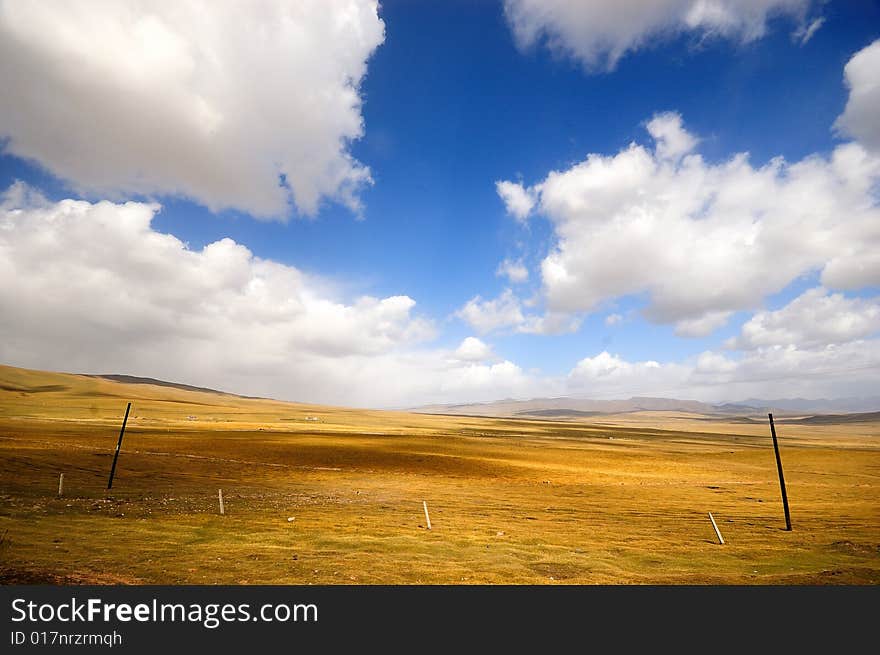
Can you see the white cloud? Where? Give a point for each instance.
(550, 323)
(806, 31)
(709, 363)
(821, 344)
(606, 365)
(816, 318)
(93, 288)
(613, 319)
(703, 240)
(212, 101)
(849, 369)
(845, 370)
(488, 315)
(518, 201)
(861, 118)
(102, 265)
(408, 379)
(701, 326)
(599, 33)
(480, 383)
(514, 271)
(856, 267)
(472, 349)
(609, 376)
(506, 313)
(671, 140)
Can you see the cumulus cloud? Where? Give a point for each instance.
(816, 318)
(514, 271)
(482, 382)
(701, 326)
(598, 33)
(94, 288)
(613, 319)
(860, 118)
(506, 313)
(710, 362)
(606, 365)
(608, 375)
(702, 240)
(472, 349)
(821, 344)
(838, 370)
(518, 201)
(835, 370)
(671, 140)
(550, 323)
(103, 265)
(247, 105)
(488, 315)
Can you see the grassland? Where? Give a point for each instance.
(620, 500)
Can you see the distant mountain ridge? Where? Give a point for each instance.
(133, 379)
(818, 406)
(574, 407)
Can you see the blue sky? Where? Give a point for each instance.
(453, 101)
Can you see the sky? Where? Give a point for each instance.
(413, 202)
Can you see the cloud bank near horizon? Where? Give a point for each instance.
(95, 286)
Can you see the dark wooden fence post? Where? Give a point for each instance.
(781, 477)
(118, 446)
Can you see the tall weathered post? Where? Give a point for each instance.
(118, 446)
(781, 477)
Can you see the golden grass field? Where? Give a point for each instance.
(608, 500)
